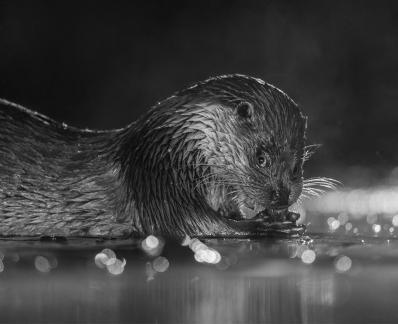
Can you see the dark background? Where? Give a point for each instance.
(101, 65)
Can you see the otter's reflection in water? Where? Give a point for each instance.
(265, 281)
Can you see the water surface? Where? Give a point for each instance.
(334, 277)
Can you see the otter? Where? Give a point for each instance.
(222, 158)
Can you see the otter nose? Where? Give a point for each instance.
(284, 196)
(280, 197)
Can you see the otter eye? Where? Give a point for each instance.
(244, 110)
(263, 160)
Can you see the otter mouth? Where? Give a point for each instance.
(274, 221)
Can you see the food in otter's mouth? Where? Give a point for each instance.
(223, 158)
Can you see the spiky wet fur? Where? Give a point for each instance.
(182, 168)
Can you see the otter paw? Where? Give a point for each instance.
(285, 229)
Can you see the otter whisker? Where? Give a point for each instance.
(316, 187)
(322, 181)
(313, 191)
(309, 151)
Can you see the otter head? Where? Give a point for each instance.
(228, 147)
(253, 145)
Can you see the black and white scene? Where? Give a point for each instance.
(199, 162)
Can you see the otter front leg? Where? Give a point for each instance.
(278, 216)
(264, 224)
(258, 228)
(269, 223)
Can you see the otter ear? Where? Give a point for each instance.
(309, 151)
(244, 110)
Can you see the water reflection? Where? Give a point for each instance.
(264, 281)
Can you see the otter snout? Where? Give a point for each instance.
(280, 198)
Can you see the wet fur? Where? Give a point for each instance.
(179, 169)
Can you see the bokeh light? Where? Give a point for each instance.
(100, 260)
(207, 255)
(107, 259)
(117, 267)
(196, 245)
(343, 264)
(152, 242)
(348, 226)
(110, 257)
(202, 253)
(308, 256)
(152, 245)
(160, 264)
(358, 202)
(42, 264)
(376, 228)
(186, 241)
(333, 223)
(395, 220)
